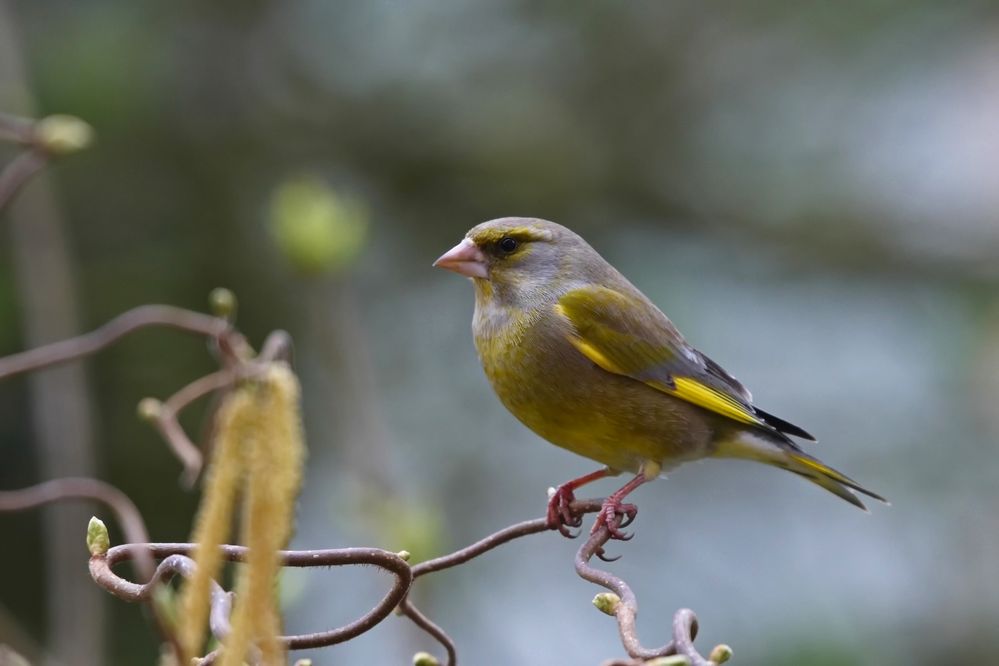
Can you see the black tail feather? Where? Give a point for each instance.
(782, 426)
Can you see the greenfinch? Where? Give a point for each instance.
(585, 360)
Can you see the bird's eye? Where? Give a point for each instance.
(508, 244)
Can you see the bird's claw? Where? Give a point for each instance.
(614, 515)
(564, 530)
(602, 554)
(560, 514)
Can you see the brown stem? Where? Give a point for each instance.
(18, 172)
(516, 531)
(124, 510)
(626, 610)
(167, 424)
(467, 553)
(101, 571)
(144, 316)
(426, 624)
(15, 129)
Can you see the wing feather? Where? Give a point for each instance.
(626, 334)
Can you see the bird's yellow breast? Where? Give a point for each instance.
(567, 399)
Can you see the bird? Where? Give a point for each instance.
(589, 363)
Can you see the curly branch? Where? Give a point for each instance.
(238, 364)
(176, 559)
(494, 540)
(125, 511)
(436, 632)
(623, 605)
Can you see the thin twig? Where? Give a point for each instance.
(426, 624)
(19, 171)
(499, 538)
(277, 347)
(144, 316)
(124, 510)
(15, 129)
(526, 528)
(166, 420)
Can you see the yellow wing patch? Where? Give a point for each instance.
(685, 388)
(588, 350)
(616, 356)
(693, 391)
(594, 354)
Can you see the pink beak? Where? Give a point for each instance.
(466, 259)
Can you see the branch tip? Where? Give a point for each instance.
(223, 303)
(720, 654)
(98, 540)
(149, 409)
(61, 134)
(425, 659)
(607, 602)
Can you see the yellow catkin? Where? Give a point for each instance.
(275, 454)
(214, 521)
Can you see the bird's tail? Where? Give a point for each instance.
(789, 457)
(819, 473)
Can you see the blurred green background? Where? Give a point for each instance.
(810, 190)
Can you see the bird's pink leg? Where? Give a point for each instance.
(560, 514)
(613, 507)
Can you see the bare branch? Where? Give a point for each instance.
(101, 571)
(423, 622)
(626, 608)
(15, 129)
(499, 538)
(526, 528)
(164, 417)
(239, 364)
(18, 172)
(144, 316)
(125, 511)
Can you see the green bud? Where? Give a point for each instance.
(720, 654)
(425, 659)
(222, 302)
(149, 409)
(317, 229)
(607, 602)
(404, 555)
(62, 134)
(98, 540)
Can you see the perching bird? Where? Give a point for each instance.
(584, 359)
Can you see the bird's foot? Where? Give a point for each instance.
(560, 514)
(615, 514)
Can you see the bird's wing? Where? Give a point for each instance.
(627, 335)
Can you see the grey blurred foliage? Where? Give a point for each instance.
(810, 190)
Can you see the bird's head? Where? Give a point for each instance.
(518, 258)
